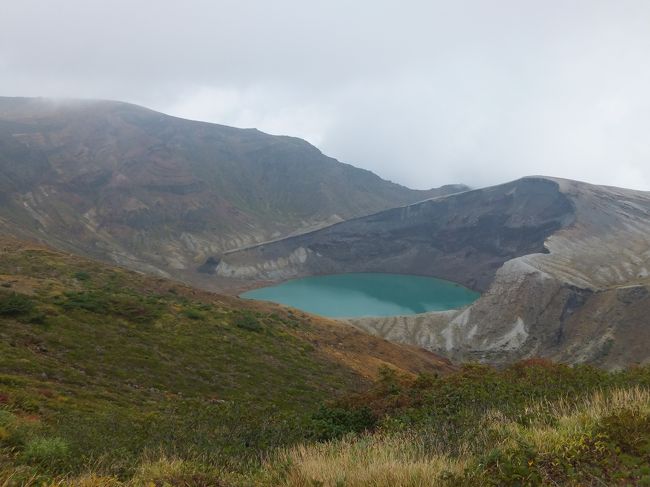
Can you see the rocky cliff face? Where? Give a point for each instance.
(563, 267)
(160, 194)
(464, 238)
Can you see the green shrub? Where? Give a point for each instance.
(132, 308)
(333, 422)
(247, 321)
(48, 451)
(38, 319)
(629, 430)
(82, 276)
(193, 314)
(505, 467)
(6, 418)
(15, 304)
(89, 301)
(14, 431)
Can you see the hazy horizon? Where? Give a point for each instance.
(423, 94)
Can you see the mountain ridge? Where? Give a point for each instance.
(159, 193)
(553, 258)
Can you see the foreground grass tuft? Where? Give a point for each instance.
(599, 434)
(378, 460)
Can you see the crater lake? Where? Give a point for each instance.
(366, 294)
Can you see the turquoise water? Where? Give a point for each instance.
(354, 295)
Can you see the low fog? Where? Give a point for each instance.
(423, 93)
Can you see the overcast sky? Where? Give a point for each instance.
(422, 92)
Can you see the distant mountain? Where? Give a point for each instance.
(564, 267)
(157, 193)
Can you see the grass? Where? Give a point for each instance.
(390, 460)
(529, 431)
(597, 435)
(13, 304)
(118, 368)
(112, 378)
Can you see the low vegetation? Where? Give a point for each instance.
(12, 304)
(104, 370)
(110, 378)
(530, 424)
(534, 423)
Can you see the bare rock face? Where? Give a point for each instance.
(157, 193)
(563, 267)
(464, 238)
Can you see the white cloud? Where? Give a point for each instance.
(258, 107)
(422, 92)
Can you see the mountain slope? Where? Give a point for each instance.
(112, 363)
(563, 266)
(132, 186)
(464, 238)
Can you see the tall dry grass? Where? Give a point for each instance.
(387, 460)
(369, 460)
(552, 425)
(403, 460)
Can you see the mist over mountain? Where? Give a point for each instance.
(158, 193)
(227, 208)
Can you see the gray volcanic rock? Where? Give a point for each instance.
(563, 267)
(161, 194)
(465, 238)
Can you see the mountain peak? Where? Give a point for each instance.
(161, 193)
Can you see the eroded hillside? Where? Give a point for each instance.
(157, 193)
(563, 267)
